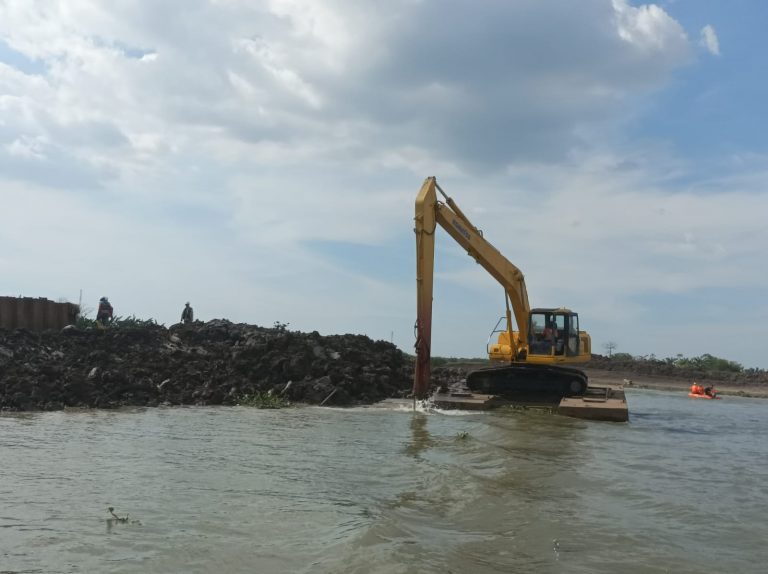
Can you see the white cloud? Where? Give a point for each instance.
(26, 147)
(649, 28)
(207, 150)
(709, 40)
(365, 78)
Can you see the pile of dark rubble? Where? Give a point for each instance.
(212, 363)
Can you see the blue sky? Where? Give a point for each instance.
(261, 161)
(712, 108)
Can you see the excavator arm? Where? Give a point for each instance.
(429, 213)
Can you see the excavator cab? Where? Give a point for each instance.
(553, 333)
(553, 337)
(538, 367)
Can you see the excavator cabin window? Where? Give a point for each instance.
(553, 333)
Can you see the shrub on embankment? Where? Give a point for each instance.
(704, 367)
(212, 363)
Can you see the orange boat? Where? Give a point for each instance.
(703, 396)
(700, 392)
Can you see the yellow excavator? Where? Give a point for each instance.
(532, 361)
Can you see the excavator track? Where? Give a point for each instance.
(526, 380)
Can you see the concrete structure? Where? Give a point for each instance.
(35, 314)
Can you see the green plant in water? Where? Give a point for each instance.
(264, 400)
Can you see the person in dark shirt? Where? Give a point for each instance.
(104, 314)
(187, 315)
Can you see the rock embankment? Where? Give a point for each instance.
(202, 364)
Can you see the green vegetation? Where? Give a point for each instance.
(280, 327)
(118, 322)
(84, 322)
(132, 322)
(264, 400)
(705, 363)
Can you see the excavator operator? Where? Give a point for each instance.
(553, 336)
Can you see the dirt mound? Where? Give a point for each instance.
(211, 363)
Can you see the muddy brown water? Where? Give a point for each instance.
(681, 488)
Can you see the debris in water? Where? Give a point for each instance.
(111, 510)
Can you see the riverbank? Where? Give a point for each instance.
(635, 380)
(223, 363)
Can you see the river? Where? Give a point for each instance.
(680, 488)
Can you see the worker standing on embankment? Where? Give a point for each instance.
(104, 314)
(187, 315)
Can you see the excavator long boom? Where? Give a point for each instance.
(429, 213)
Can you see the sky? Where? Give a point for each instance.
(260, 159)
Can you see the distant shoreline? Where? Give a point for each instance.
(599, 376)
(673, 384)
